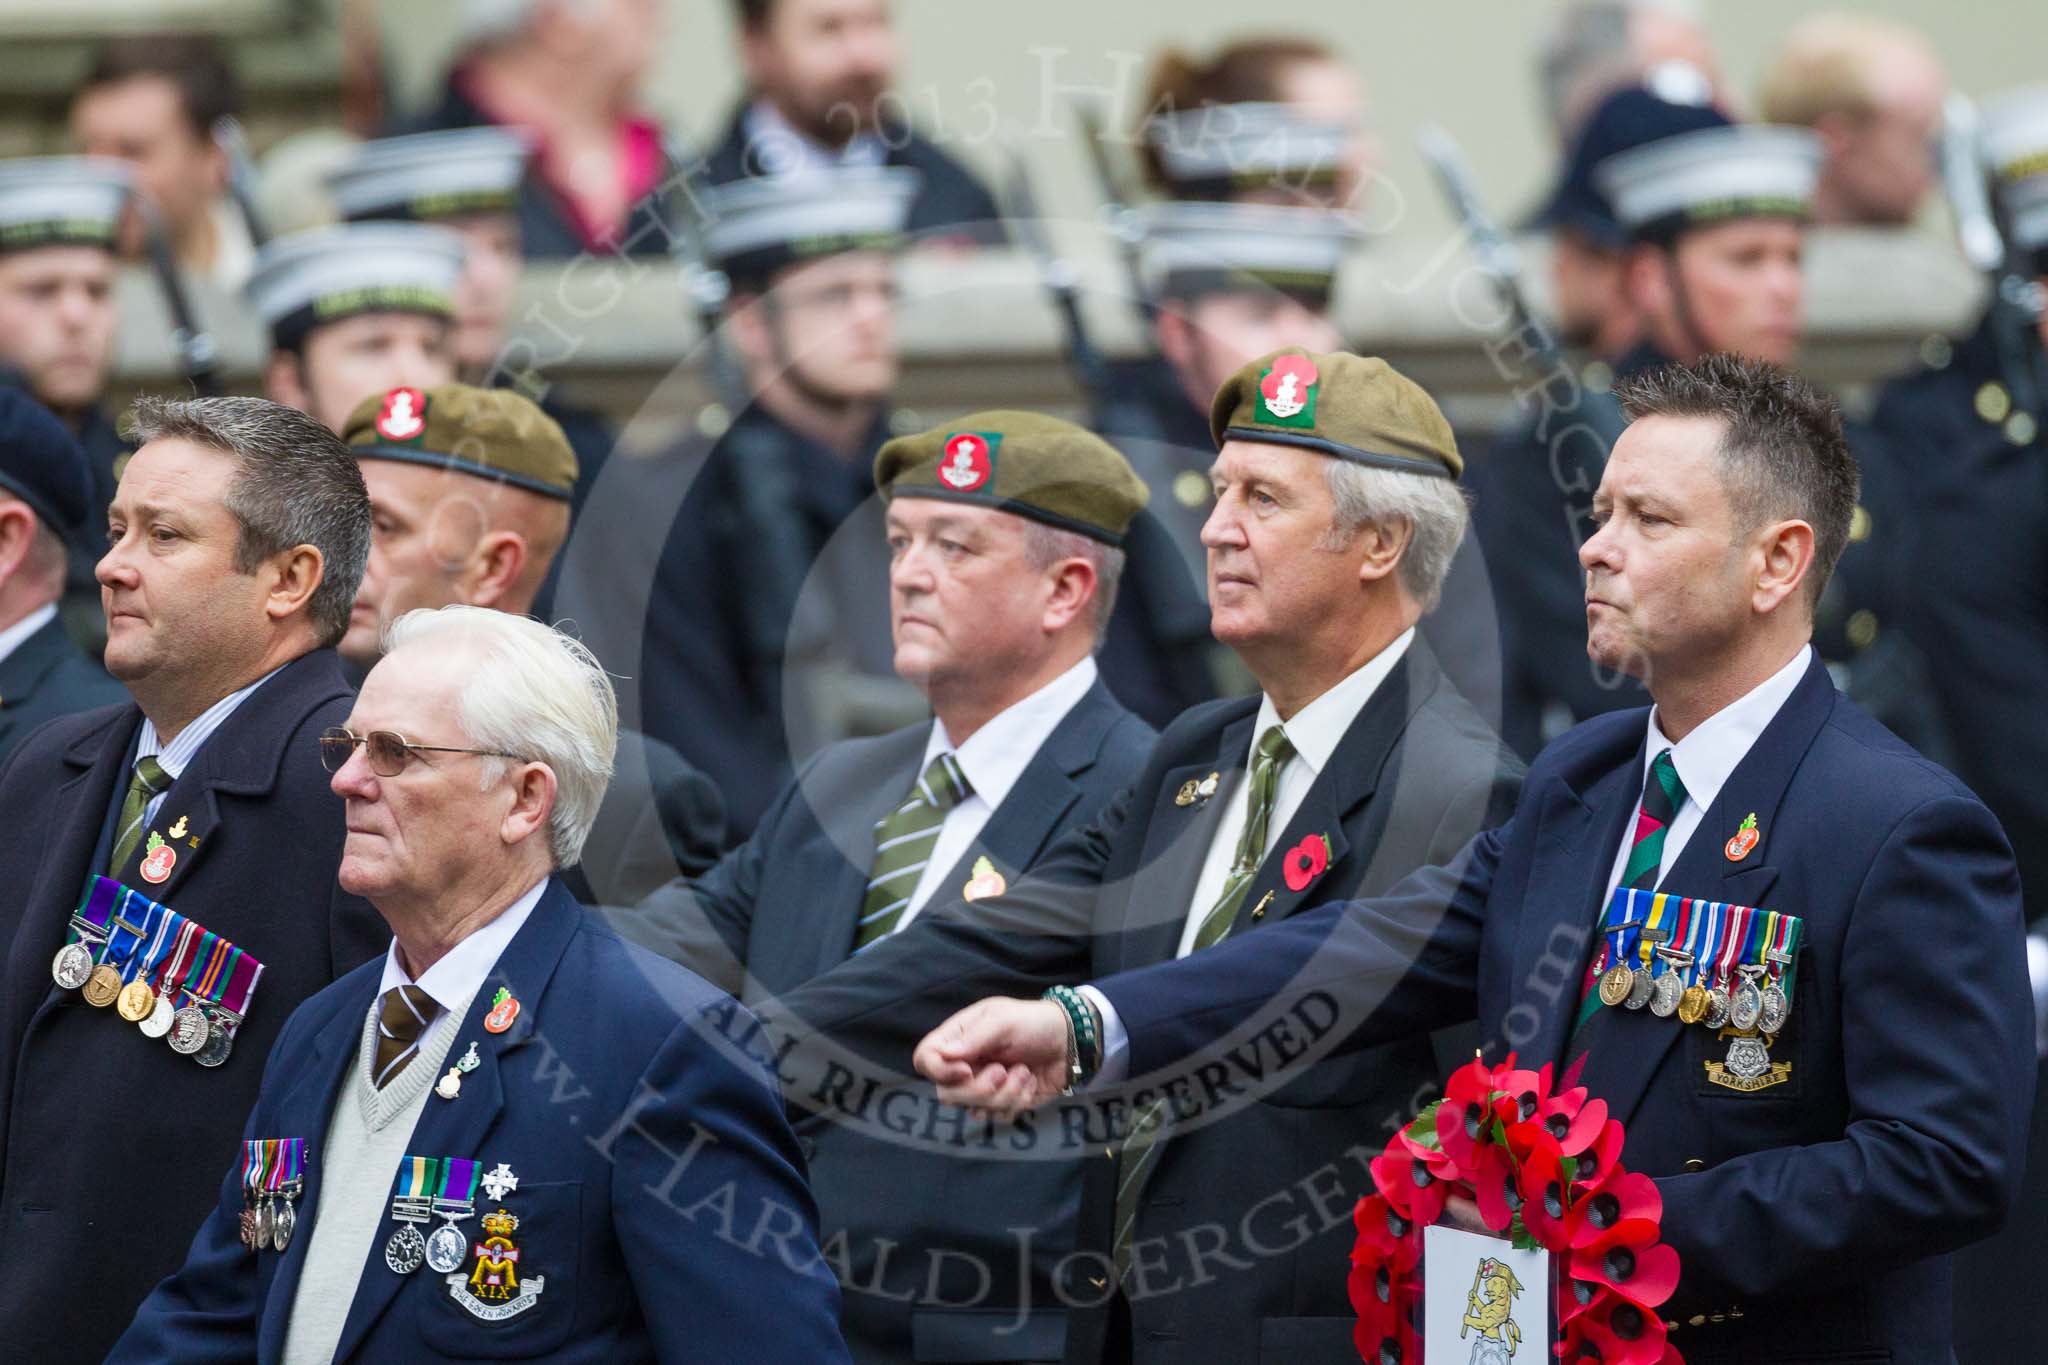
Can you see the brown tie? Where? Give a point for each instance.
(403, 1013)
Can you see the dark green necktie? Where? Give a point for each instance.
(1272, 753)
(904, 840)
(150, 780)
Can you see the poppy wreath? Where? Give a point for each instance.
(1544, 1168)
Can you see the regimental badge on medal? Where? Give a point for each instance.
(482, 1269)
(273, 1174)
(166, 974)
(1728, 968)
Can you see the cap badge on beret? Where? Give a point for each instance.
(403, 417)
(970, 461)
(1287, 392)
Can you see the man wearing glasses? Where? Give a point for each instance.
(577, 1096)
(239, 532)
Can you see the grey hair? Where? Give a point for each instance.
(1434, 509)
(296, 483)
(1045, 546)
(534, 692)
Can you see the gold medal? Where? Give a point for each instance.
(1615, 984)
(135, 1002)
(1692, 1006)
(101, 987)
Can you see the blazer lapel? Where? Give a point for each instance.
(305, 1109)
(1177, 840)
(458, 1127)
(1626, 1053)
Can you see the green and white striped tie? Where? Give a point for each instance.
(904, 840)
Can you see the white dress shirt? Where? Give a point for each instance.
(992, 758)
(1705, 758)
(11, 638)
(774, 144)
(176, 756)
(458, 974)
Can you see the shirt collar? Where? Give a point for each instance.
(12, 638)
(780, 149)
(1706, 756)
(459, 973)
(174, 757)
(995, 756)
(1318, 728)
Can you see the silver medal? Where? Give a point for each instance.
(1775, 1010)
(73, 966)
(188, 1030)
(219, 1042)
(1748, 1058)
(406, 1250)
(1664, 995)
(447, 1249)
(1747, 1007)
(1718, 1007)
(157, 1022)
(1639, 992)
(281, 1230)
(266, 1223)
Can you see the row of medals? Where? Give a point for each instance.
(1748, 1007)
(192, 1031)
(269, 1221)
(444, 1251)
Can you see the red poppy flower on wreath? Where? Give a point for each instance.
(1306, 861)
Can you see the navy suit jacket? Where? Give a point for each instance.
(1236, 1209)
(48, 676)
(99, 1125)
(1821, 1209)
(661, 1195)
(782, 909)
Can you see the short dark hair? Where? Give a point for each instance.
(753, 13)
(1782, 448)
(194, 64)
(296, 483)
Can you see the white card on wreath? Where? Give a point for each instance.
(1483, 1302)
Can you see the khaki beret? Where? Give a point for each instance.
(1354, 407)
(490, 433)
(1020, 462)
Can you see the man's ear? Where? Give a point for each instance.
(284, 380)
(494, 567)
(296, 573)
(1784, 553)
(533, 801)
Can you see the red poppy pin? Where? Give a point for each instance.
(1306, 861)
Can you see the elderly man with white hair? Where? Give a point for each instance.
(514, 1134)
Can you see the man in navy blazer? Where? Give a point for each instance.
(999, 596)
(1812, 1201)
(615, 1179)
(239, 532)
(1325, 547)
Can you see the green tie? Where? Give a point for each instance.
(904, 840)
(1134, 1163)
(150, 780)
(1271, 755)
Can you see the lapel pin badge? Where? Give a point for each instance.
(450, 1085)
(180, 829)
(158, 860)
(985, 881)
(1194, 793)
(504, 1009)
(1747, 836)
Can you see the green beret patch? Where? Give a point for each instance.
(1287, 393)
(970, 460)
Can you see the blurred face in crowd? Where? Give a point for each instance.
(414, 836)
(1673, 577)
(175, 602)
(1331, 92)
(344, 362)
(823, 64)
(1588, 294)
(57, 321)
(967, 610)
(1207, 339)
(1738, 288)
(1276, 578)
(609, 41)
(827, 329)
(439, 537)
(485, 292)
(1881, 162)
(142, 121)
